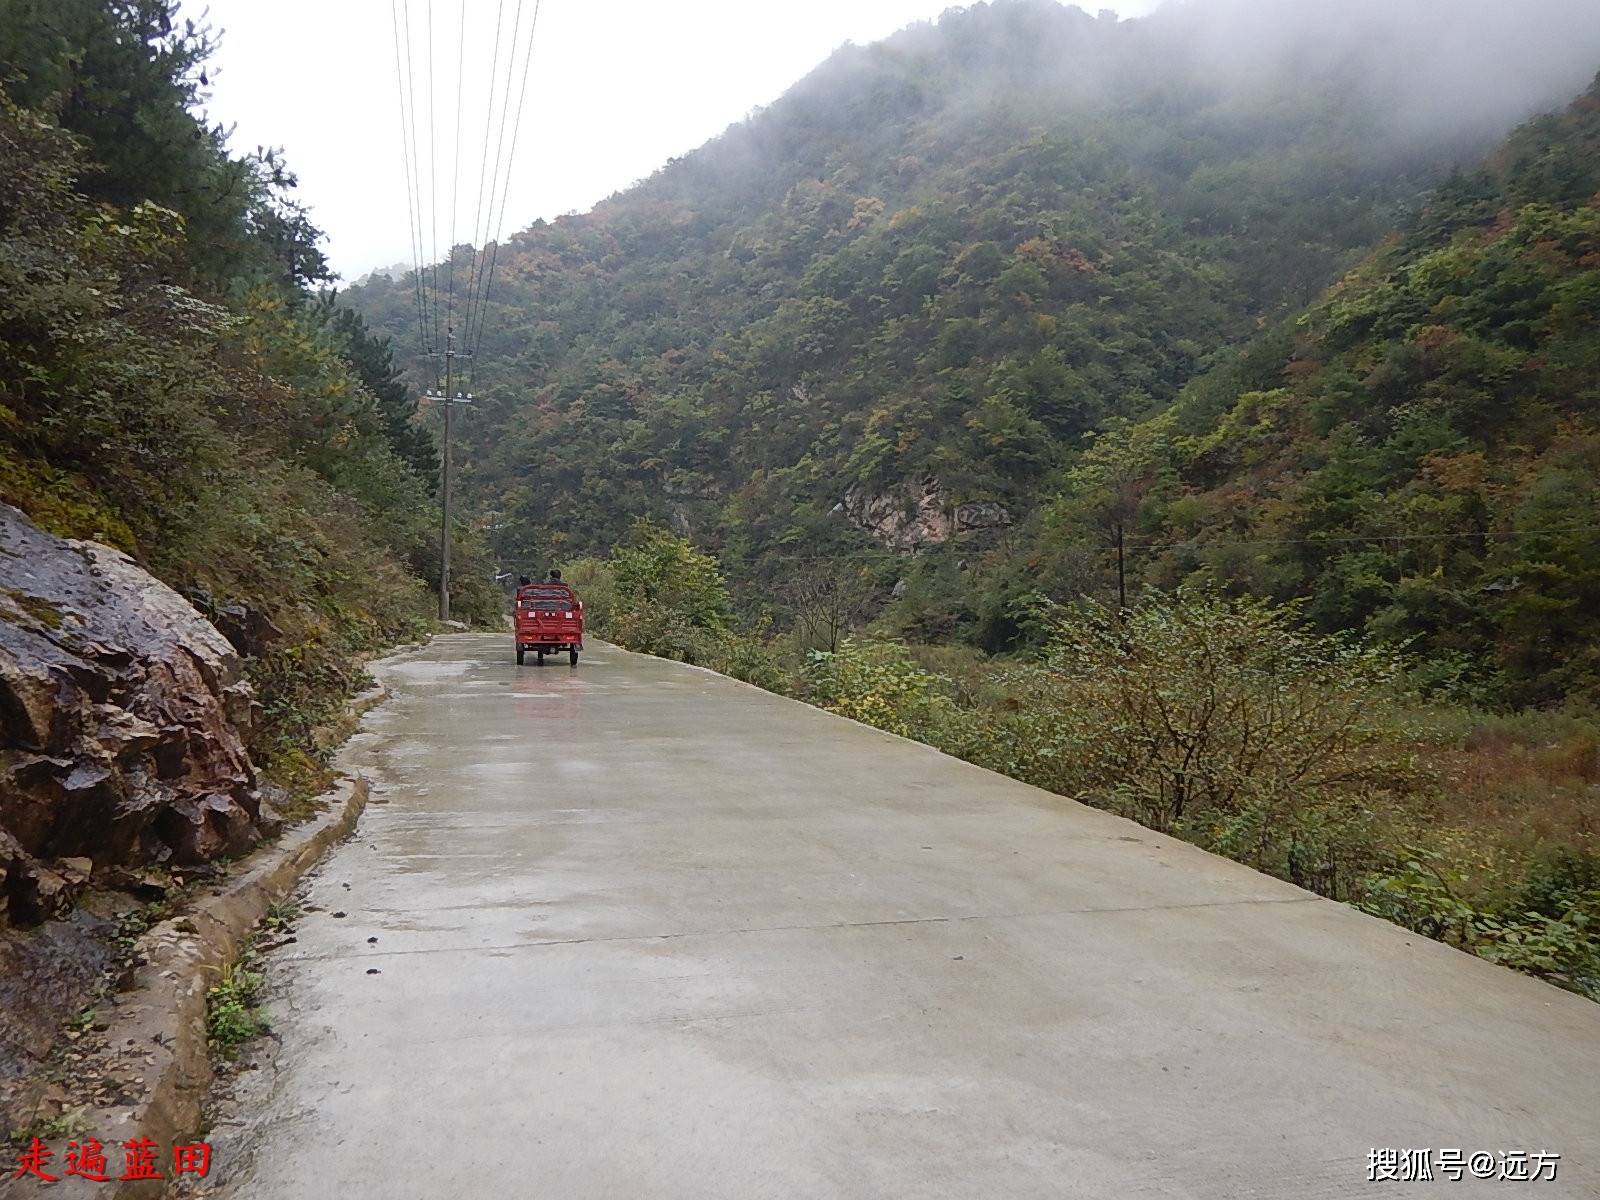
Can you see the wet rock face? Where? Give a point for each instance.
(918, 514)
(123, 714)
(249, 629)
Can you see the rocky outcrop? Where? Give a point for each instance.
(123, 718)
(690, 498)
(919, 514)
(981, 514)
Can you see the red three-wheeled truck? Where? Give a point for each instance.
(549, 619)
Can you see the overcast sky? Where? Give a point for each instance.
(617, 87)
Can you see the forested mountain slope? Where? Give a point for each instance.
(171, 382)
(1418, 454)
(889, 312)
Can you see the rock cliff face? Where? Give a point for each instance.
(918, 514)
(123, 715)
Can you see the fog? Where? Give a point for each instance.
(621, 85)
(1427, 83)
(617, 88)
(1470, 67)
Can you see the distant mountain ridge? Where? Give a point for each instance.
(941, 264)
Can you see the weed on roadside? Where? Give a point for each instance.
(233, 1016)
(133, 925)
(281, 915)
(66, 1124)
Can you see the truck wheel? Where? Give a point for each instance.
(574, 656)
(541, 658)
(519, 655)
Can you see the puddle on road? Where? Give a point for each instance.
(504, 772)
(532, 773)
(408, 752)
(423, 669)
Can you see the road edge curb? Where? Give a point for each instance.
(163, 1016)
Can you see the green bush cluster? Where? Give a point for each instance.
(658, 594)
(233, 1014)
(669, 598)
(1543, 919)
(1228, 722)
(878, 684)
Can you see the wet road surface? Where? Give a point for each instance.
(643, 932)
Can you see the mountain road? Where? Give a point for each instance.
(635, 930)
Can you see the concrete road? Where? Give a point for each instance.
(646, 933)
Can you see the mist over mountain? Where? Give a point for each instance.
(1431, 76)
(890, 317)
(1446, 69)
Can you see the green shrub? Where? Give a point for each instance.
(1565, 949)
(667, 633)
(658, 594)
(232, 1015)
(1226, 721)
(878, 684)
(593, 579)
(1432, 893)
(747, 657)
(663, 582)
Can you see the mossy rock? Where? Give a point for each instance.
(37, 608)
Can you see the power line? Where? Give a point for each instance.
(455, 170)
(436, 300)
(424, 221)
(494, 175)
(430, 296)
(402, 87)
(516, 130)
(433, 180)
(478, 225)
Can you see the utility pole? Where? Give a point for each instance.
(1122, 576)
(450, 399)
